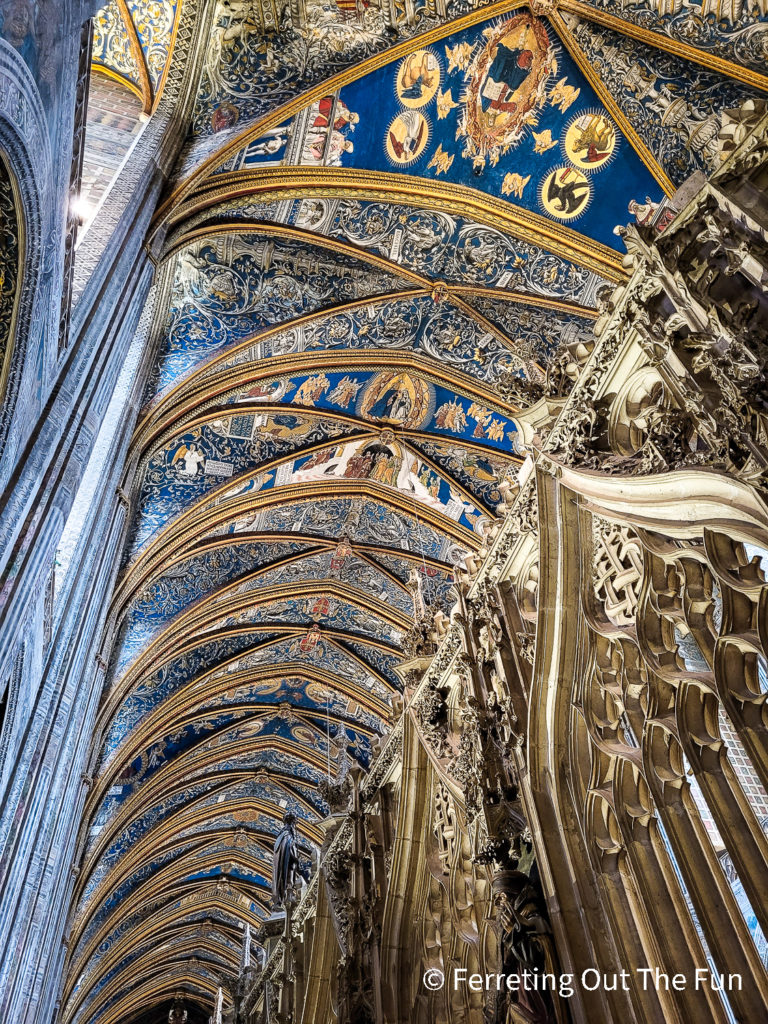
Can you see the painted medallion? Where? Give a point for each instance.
(407, 137)
(397, 398)
(565, 193)
(417, 79)
(590, 141)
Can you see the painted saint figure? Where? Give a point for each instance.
(506, 74)
(393, 404)
(343, 116)
(191, 457)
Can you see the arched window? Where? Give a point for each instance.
(113, 121)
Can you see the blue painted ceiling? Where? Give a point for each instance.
(353, 267)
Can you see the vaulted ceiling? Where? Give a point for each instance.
(132, 42)
(378, 219)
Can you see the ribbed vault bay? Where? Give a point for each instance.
(363, 286)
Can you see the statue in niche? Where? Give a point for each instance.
(287, 865)
(524, 933)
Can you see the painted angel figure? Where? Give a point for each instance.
(191, 457)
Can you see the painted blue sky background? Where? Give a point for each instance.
(374, 100)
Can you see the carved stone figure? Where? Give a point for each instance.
(287, 864)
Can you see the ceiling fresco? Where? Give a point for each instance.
(227, 288)
(438, 246)
(735, 32)
(262, 55)
(501, 107)
(673, 105)
(132, 42)
(385, 230)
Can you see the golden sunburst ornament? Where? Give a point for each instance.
(590, 141)
(565, 193)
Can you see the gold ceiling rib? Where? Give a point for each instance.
(315, 543)
(169, 58)
(124, 686)
(426, 284)
(199, 811)
(169, 396)
(145, 897)
(206, 394)
(282, 113)
(263, 840)
(171, 875)
(524, 298)
(182, 949)
(191, 621)
(179, 535)
(146, 888)
(367, 429)
(150, 996)
(145, 90)
(367, 432)
(102, 69)
(174, 777)
(166, 918)
(172, 924)
(233, 585)
(156, 725)
(171, 779)
(138, 53)
(159, 986)
(251, 709)
(659, 41)
(336, 245)
(193, 382)
(192, 816)
(187, 699)
(296, 182)
(284, 631)
(321, 543)
(202, 508)
(205, 369)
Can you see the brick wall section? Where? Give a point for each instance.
(113, 122)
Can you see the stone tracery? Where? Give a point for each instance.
(441, 531)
